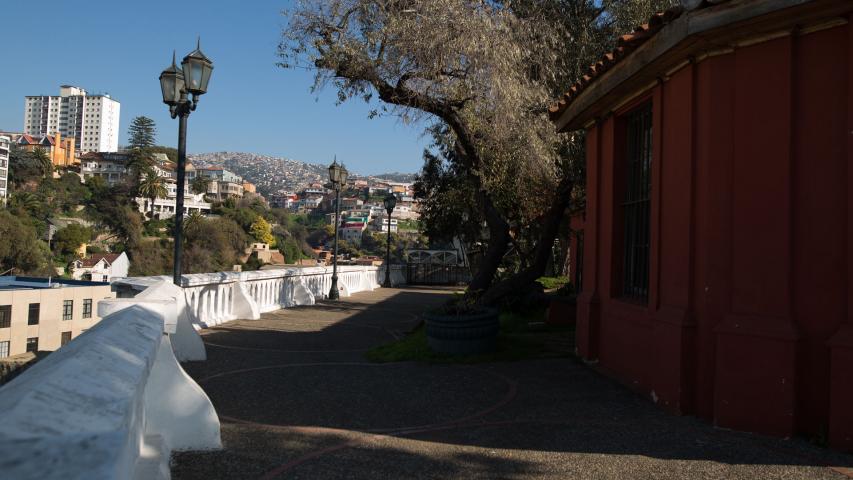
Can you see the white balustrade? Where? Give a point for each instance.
(215, 298)
(113, 403)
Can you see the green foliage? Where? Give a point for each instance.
(68, 240)
(200, 184)
(152, 187)
(151, 257)
(27, 167)
(516, 341)
(141, 133)
(171, 153)
(291, 250)
(550, 283)
(20, 248)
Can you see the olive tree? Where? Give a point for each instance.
(486, 71)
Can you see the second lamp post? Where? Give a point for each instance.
(338, 176)
(390, 202)
(177, 84)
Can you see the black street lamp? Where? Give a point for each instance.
(338, 176)
(176, 83)
(390, 202)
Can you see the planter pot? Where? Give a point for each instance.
(462, 334)
(562, 311)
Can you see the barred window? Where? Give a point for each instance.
(67, 309)
(64, 338)
(32, 344)
(4, 349)
(87, 308)
(636, 207)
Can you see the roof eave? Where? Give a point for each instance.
(688, 36)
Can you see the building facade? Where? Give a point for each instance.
(101, 267)
(112, 167)
(5, 146)
(61, 151)
(717, 257)
(38, 315)
(91, 120)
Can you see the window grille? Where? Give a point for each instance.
(636, 207)
(67, 309)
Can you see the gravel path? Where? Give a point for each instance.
(297, 399)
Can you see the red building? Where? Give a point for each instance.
(718, 237)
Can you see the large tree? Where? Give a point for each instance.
(486, 71)
(142, 133)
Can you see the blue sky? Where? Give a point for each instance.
(120, 48)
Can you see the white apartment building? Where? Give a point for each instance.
(92, 120)
(5, 145)
(380, 224)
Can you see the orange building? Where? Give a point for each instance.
(59, 150)
(249, 187)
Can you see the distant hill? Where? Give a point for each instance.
(271, 174)
(397, 177)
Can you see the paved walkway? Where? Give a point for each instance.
(297, 399)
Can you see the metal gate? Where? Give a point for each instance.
(436, 274)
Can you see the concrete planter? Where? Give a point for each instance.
(462, 334)
(562, 311)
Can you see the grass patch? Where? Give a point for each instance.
(522, 336)
(551, 283)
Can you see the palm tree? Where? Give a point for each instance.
(24, 202)
(152, 187)
(200, 184)
(42, 160)
(193, 221)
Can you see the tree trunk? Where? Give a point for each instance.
(152, 207)
(498, 240)
(551, 228)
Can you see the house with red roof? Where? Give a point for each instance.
(718, 234)
(100, 267)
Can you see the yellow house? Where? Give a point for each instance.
(60, 151)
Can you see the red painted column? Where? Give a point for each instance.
(672, 373)
(589, 303)
(757, 340)
(841, 344)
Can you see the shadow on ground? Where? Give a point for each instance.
(297, 399)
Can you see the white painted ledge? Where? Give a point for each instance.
(111, 404)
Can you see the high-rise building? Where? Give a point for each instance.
(4, 167)
(92, 120)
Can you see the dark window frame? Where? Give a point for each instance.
(5, 316)
(30, 319)
(32, 344)
(64, 338)
(67, 309)
(87, 308)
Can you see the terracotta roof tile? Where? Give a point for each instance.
(624, 46)
(96, 257)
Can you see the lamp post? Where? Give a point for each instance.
(390, 202)
(176, 84)
(338, 176)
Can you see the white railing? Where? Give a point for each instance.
(215, 298)
(113, 403)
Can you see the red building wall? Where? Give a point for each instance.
(748, 320)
